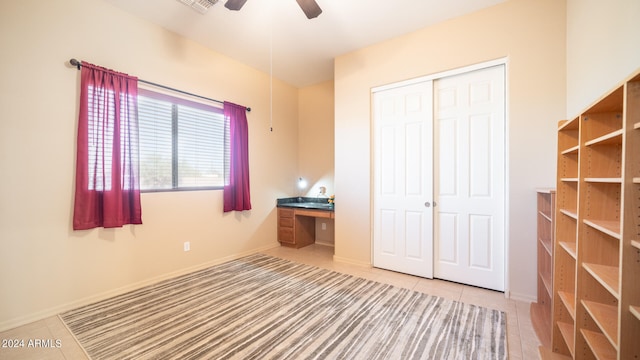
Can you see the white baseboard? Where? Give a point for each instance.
(522, 297)
(351, 261)
(329, 244)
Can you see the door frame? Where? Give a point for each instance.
(433, 77)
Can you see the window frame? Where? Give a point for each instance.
(175, 100)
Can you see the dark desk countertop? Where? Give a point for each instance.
(306, 203)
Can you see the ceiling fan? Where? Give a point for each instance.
(310, 7)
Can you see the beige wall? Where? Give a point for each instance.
(602, 48)
(315, 137)
(531, 34)
(45, 267)
(315, 148)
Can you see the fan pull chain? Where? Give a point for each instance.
(271, 66)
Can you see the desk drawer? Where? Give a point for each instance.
(285, 213)
(315, 213)
(285, 222)
(286, 235)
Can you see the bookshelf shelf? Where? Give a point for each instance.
(635, 310)
(607, 276)
(599, 344)
(605, 317)
(569, 301)
(569, 247)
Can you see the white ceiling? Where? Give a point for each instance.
(302, 50)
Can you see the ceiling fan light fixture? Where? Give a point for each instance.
(201, 6)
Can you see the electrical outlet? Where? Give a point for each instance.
(187, 246)
(324, 226)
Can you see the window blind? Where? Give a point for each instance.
(182, 145)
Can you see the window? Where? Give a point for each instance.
(184, 145)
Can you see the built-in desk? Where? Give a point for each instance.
(297, 223)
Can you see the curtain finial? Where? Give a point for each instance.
(75, 63)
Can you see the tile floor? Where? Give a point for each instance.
(523, 343)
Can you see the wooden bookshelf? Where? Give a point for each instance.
(541, 310)
(596, 292)
(564, 267)
(629, 329)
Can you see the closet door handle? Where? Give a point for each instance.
(427, 204)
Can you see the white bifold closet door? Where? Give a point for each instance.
(470, 178)
(403, 215)
(439, 178)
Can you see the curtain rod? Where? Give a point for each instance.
(78, 64)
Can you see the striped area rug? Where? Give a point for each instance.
(261, 307)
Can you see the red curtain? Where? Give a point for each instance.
(107, 185)
(236, 193)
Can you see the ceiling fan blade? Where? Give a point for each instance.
(310, 8)
(234, 4)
